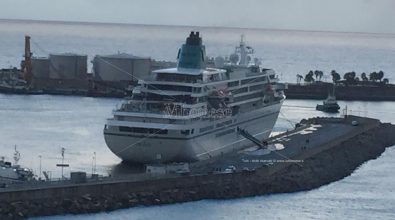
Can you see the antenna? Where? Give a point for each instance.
(94, 163)
(39, 176)
(17, 156)
(62, 165)
(63, 150)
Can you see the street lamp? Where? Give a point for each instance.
(39, 176)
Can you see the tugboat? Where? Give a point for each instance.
(330, 104)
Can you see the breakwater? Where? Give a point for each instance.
(322, 165)
(384, 92)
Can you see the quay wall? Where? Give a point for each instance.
(332, 162)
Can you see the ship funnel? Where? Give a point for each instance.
(193, 53)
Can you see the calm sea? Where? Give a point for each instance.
(42, 125)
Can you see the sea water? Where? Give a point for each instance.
(42, 125)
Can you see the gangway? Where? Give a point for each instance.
(46, 175)
(247, 135)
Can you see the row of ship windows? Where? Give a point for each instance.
(154, 97)
(173, 77)
(143, 130)
(174, 88)
(247, 81)
(165, 131)
(245, 89)
(198, 90)
(247, 97)
(151, 130)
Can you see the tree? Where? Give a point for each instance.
(385, 81)
(350, 77)
(309, 77)
(380, 75)
(373, 76)
(299, 78)
(318, 75)
(364, 77)
(335, 76)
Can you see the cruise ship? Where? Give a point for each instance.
(192, 112)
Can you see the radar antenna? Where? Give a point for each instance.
(17, 156)
(244, 51)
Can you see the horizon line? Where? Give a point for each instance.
(191, 26)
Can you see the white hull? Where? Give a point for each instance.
(151, 148)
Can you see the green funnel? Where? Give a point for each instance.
(193, 53)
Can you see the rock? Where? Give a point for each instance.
(67, 203)
(20, 214)
(87, 197)
(133, 201)
(132, 195)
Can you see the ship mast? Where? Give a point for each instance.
(17, 156)
(244, 51)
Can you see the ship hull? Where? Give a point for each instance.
(152, 149)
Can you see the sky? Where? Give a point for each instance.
(374, 16)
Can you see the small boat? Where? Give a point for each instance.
(329, 105)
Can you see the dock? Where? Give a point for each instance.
(292, 147)
(318, 151)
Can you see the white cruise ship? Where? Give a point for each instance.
(191, 112)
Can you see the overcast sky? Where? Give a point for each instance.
(377, 16)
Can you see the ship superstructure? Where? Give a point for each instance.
(192, 112)
(330, 104)
(10, 173)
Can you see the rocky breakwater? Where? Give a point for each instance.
(332, 162)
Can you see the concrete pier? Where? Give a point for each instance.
(319, 151)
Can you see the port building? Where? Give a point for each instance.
(120, 67)
(60, 71)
